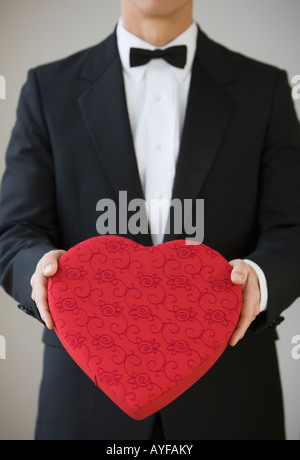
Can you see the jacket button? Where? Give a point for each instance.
(25, 310)
(276, 322)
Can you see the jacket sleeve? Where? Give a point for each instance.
(278, 248)
(28, 227)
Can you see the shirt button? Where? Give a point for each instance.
(157, 196)
(157, 97)
(158, 146)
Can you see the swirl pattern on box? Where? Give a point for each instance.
(143, 323)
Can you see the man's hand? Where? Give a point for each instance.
(246, 277)
(46, 268)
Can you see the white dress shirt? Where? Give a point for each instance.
(157, 95)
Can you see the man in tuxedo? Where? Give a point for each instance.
(186, 119)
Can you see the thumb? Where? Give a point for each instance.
(240, 272)
(50, 269)
(50, 263)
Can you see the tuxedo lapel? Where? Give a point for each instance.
(104, 109)
(105, 113)
(209, 112)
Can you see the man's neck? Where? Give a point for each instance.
(157, 31)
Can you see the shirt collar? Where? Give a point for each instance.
(127, 40)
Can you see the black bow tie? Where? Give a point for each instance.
(176, 56)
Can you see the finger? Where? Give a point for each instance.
(47, 267)
(240, 272)
(42, 305)
(40, 296)
(240, 331)
(250, 310)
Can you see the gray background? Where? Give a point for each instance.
(33, 32)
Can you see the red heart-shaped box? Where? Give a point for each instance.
(144, 323)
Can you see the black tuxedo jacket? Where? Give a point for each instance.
(240, 152)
